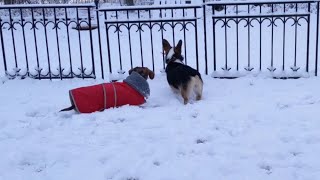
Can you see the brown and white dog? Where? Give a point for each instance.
(132, 91)
(182, 78)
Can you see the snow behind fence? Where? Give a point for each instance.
(226, 39)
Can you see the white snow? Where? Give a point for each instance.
(248, 128)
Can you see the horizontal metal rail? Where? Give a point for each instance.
(259, 2)
(162, 7)
(35, 6)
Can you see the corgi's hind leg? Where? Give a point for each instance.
(187, 89)
(185, 93)
(198, 87)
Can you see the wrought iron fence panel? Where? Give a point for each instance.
(134, 34)
(45, 41)
(279, 38)
(226, 39)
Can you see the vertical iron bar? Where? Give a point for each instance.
(173, 26)
(284, 38)
(260, 55)
(152, 54)
(317, 41)
(99, 39)
(295, 41)
(57, 38)
(237, 31)
(3, 49)
(296, 38)
(46, 38)
(249, 38)
(129, 34)
(226, 39)
(80, 47)
(162, 27)
(68, 38)
(108, 43)
(13, 39)
(308, 38)
(119, 42)
(308, 41)
(184, 39)
(140, 37)
(205, 38)
(272, 31)
(91, 43)
(24, 41)
(35, 43)
(214, 39)
(196, 34)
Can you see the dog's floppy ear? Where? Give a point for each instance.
(177, 49)
(166, 46)
(150, 73)
(130, 71)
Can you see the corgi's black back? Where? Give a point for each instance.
(179, 74)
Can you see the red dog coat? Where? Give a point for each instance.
(89, 99)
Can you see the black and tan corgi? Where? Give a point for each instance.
(182, 78)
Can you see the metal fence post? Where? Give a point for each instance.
(317, 41)
(3, 49)
(205, 37)
(99, 36)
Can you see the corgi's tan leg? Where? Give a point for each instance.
(185, 96)
(198, 87)
(186, 91)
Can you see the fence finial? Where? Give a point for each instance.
(96, 2)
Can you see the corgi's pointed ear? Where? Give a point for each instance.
(166, 46)
(179, 43)
(177, 49)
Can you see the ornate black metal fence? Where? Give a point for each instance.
(228, 39)
(278, 37)
(36, 41)
(148, 24)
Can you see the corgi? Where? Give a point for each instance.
(182, 78)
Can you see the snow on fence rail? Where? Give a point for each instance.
(227, 39)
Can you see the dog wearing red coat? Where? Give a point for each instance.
(134, 90)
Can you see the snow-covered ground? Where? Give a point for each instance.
(248, 128)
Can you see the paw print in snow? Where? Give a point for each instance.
(201, 141)
(266, 167)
